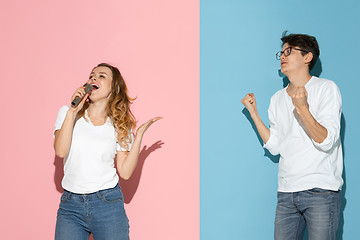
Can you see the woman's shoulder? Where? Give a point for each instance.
(64, 108)
(62, 111)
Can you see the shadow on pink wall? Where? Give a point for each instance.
(128, 187)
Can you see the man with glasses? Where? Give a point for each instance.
(305, 130)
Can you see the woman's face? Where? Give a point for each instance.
(100, 78)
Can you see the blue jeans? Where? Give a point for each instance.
(101, 213)
(318, 209)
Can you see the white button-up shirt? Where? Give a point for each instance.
(305, 164)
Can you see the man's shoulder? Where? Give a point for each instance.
(279, 94)
(322, 82)
(324, 88)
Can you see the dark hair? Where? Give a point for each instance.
(305, 42)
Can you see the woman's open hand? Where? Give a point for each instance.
(142, 129)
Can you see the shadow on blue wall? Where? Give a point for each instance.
(273, 158)
(340, 231)
(316, 71)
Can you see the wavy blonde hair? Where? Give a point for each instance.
(118, 108)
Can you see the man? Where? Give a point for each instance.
(305, 130)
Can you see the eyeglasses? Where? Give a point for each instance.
(287, 52)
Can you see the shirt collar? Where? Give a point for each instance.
(87, 118)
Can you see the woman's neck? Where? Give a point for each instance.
(98, 110)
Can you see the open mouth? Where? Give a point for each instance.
(95, 87)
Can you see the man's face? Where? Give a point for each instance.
(293, 60)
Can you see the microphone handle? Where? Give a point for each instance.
(77, 100)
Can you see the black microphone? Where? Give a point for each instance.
(77, 100)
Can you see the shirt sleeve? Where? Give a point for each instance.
(60, 118)
(329, 116)
(122, 149)
(272, 144)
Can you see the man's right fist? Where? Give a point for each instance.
(250, 103)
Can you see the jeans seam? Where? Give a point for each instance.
(297, 226)
(332, 215)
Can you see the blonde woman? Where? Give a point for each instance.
(89, 137)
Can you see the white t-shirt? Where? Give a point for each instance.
(89, 165)
(305, 164)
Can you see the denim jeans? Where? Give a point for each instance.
(101, 213)
(318, 209)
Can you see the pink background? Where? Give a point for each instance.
(48, 49)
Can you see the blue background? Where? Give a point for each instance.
(238, 42)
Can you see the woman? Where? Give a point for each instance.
(89, 137)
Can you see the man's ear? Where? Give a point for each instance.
(308, 57)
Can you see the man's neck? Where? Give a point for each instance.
(299, 79)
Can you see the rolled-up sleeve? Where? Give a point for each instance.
(329, 116)
(273, 142)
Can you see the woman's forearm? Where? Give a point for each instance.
(126, 164)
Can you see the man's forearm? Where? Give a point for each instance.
(262, 129)
(317, 132)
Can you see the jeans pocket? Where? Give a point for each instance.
(319, 191)
(65, 196)
(113, 196)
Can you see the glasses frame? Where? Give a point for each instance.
(280, 53)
